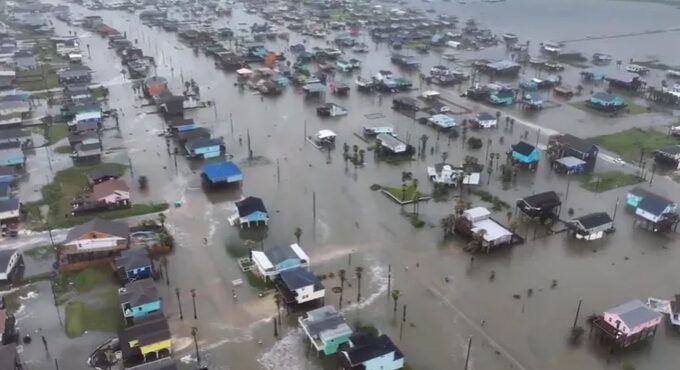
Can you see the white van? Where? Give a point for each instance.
(453, 44)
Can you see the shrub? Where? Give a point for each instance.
(475, 143)
(454, 134)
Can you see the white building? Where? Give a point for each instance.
(9, 260)
(448, 174)
(494, 234)
(300, 286)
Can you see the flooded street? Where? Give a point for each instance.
(345, 224)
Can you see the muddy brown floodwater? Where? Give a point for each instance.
(351, 220)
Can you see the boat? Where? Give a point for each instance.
(552, 47)
(510, 37)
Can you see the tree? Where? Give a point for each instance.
(447, 223)
(395, 296)
(403, 191)
(445, 156)
(355, 159)
(298, 234)
(489, 170)
(508, 215)
(361, 156)
(161, 219)
(143, 182)
(345, 153)
(415, 196)
(423, 143)
(359, 271)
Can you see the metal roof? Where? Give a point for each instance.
(634, 313)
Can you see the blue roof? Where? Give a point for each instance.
(298, 278)
(222, 172)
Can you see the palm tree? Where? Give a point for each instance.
(298, 234)
(423, 142)
(447, 223)
(509, 216)
(341, 275)
(277, 300)
(395, 296)
(415, 196)
(355, 149)
(445, 156)
(361, 156)
(359, 270)
(143, 182)
(403, 191)
(161, 219)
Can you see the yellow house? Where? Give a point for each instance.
(148, 339)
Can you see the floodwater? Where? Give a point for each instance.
(354, 226)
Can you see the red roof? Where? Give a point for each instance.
(106, 188)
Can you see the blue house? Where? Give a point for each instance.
(606, 102)
(532, 100)
(366, 352)
(5, 191)
(134, 264)
(271, 262)
(138, 299)
(12, 157)
(221, 173)
(205, 148)
(251, 212)
(526, 154)
(636, 195)
(326, 329)
(7, 174)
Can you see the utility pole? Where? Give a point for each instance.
(578, 310)
(132, 172)
(314, 206)
(231, 124)
(616, 206)
(179, 303)
(566, 196)
(403, 320)
(193, 299)
(278, 172)
(250, 151)
(389, 279)
(194, 331)
(467, 356)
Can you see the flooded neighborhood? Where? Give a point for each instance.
(328, 184)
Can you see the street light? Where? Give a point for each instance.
(193, 300)
(179, 303)
(194, 331)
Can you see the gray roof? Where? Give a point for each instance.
(634, 313)
(8, 356)
(280, 253)
(298, 278)
(119, 229)
(389, 141)
(139, 292)
(133, 259)
(571, 161)
(325, 323)
(5, 255)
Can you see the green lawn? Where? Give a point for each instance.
(403, 195)
(631, 108)
(629, 143)
(258, 282)
(63, 149)
(39, 79)
(100, 92)
(85, 280)
(105, 316)
(56, 132)
(603, 181)
(58, 195)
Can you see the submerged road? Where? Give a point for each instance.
(622, 35)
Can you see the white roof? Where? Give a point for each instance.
(263, 263)
(472, 179)
(325, 134)
(7, 73)
(87, 116)
(430, 93)
(300, 253)
(477, 212)
(494, 231)
(244, 71)
(442, 120)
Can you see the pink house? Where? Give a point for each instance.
(628, 323)
(632, 317)
(114, 191)
(110, 194)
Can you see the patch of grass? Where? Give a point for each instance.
(603, 181)
(407, 194)
(40, 253)
(100, 92)
(258, 282)
(56, 132)
(63, 149)
(631, 108)
(498, 204)
(105, 316)
(67, 183)
(237, 250)
(84, 280)
(629, 144)
(41, 78)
